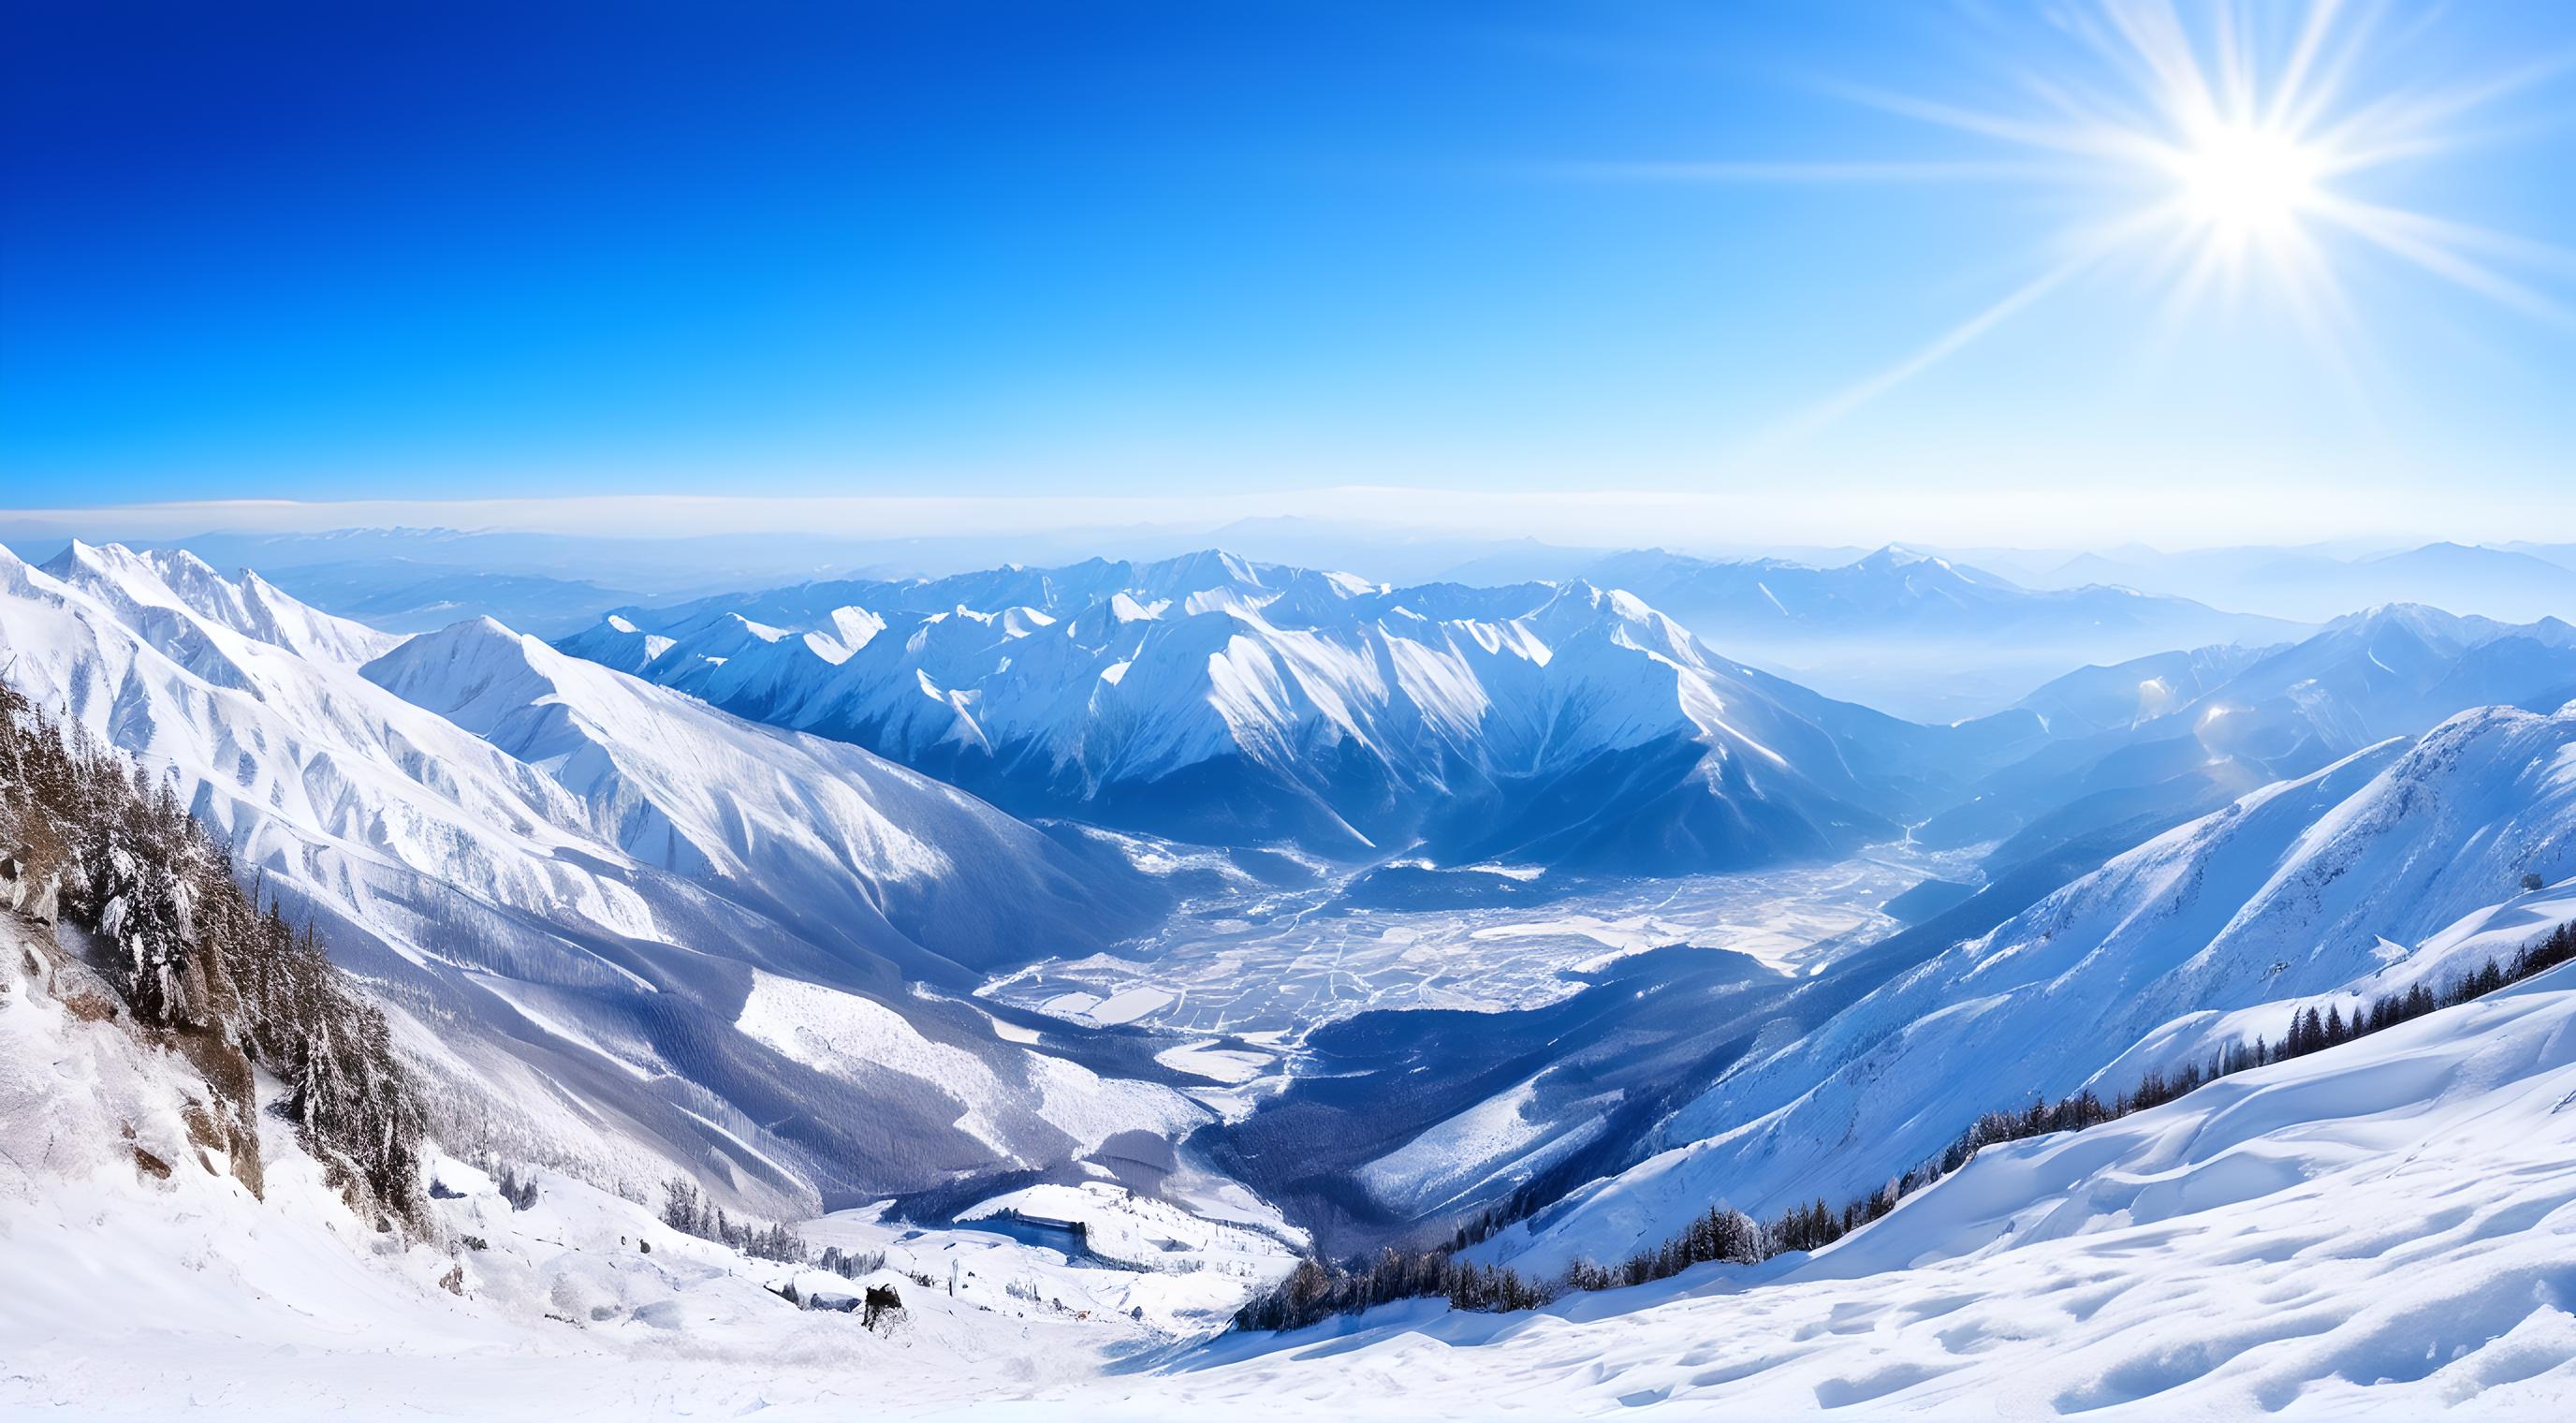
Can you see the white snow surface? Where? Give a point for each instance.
(2384, 1229)
(123, 1294)
(1130, 675)
(1149, 1235)
(526, 850)
(2291, 894)
(853, 1037)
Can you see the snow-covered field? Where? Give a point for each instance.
(1259, 960)
(2387, 1227)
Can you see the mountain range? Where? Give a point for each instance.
(1218, 700)
(2516, 584)
(615, 920)
(624, 930)
(2398, 864)
(2143, 745)
(1915, 634)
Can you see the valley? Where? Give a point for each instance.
(1054, 1066)
(1281, 962)
(1173, 712)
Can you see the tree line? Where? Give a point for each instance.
(113, 852)
(691, 1211)
(1316, 1291)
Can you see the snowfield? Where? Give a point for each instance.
(626, 939)
(2388, 1227)
(2384, 1228)
(564, 881)
(2291, 895)
(853, 1038)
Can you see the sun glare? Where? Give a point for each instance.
(2247, 123)
(2244, 183)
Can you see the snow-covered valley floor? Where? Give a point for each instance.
(1241, 977)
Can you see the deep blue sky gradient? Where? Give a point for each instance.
(468, 250)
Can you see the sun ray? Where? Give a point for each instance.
(2227, 140)
(2402, 234)
(2324, 315)
(2004, 170)
(2289, 92)
(1949, 343)
(2451, 232)
(2091, 143)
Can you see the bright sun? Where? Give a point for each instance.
(2232, 137)
(2242, 183)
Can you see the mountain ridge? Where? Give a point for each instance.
(1194, 695)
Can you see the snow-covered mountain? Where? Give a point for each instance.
(1224, 701)
(2129, 694)
(2381, 1228)
(2381, 869)
(620, 922)
(1914, 634)
(2518, 583)
(2146, 744)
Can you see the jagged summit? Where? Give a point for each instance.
(1215, 698)
(570, 878)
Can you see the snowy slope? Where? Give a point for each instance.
(2384, 1229)
(2293, 892)
(173, 587)
(134, 1290)
(2142, 689)
(809, 829)
(1918, 635)
(2147, 744)
(1213, 699)
(566, 880)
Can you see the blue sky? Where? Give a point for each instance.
(466, 251)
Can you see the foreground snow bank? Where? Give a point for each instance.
(2384, 1228)
(138, 1274)
(2387, 1227)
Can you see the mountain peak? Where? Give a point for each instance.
(1893, 556)
(78, 557)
